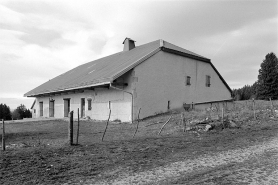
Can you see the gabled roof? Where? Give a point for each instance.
(104, 70)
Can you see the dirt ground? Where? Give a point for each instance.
(38, 153)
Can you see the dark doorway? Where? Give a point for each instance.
(66, 107)
(82, 107)
(41, 108)
(51, 108)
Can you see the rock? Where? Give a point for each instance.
(233, 124)
(197, 121)
(87, 117)
(216, 124)
(188, 128)
(208, 127)
(215, 118)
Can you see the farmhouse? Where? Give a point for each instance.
(154, 77)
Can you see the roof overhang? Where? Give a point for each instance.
(68, 89)
(185, 54)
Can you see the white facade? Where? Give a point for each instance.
(119, 102)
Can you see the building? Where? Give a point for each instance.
(156, 77)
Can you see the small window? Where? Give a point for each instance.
(89, 104)
(188, 80)
(207, 80)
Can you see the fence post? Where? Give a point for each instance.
(223, 116)
(106, 125)
(164, 125)
(70, 129)
(182, 121)
(3, 136)
(137, 123)
(254, 109)
(77, 126)
(271, 104)
(234, 104)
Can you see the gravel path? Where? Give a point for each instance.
(262, 168)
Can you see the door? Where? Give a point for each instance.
(51, 108)
(82, 107)
(41, 109)
(66, 107)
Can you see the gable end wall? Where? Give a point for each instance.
(162, 78)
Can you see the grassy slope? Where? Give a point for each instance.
(48, 159)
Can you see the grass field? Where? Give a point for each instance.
(38, 152)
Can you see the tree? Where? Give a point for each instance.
(22, 112)
(268, 78)
(245, 93)
(15, 114)
(5, 112)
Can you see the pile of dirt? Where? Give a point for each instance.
(210, 124)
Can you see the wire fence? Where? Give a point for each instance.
(55, 132)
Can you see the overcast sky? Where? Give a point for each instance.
(42, 39)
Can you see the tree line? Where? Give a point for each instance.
(19, 113)
(266, 85)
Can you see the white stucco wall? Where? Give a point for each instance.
(162, 78)
(120, 104)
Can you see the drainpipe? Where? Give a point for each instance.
(131, 99)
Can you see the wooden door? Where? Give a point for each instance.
(82, 107)
(41, 108)
(66, 107)
(51, 108)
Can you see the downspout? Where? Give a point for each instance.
(131, 99)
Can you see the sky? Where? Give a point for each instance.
(40, 40)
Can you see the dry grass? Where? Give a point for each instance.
(38, 153)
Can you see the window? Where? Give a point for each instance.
(89, 104)
(207, 80)
(188, 80)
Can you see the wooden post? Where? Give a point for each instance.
(216, 108)
(77, 135)
(70, 128)
(164, 125)
(137, 123)
(106, 125)
(182, 121)
(234, 104)
(3, 136)
(254, 109)
(223, 117)
(271, 105)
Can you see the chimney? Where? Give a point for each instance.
(129, 44)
